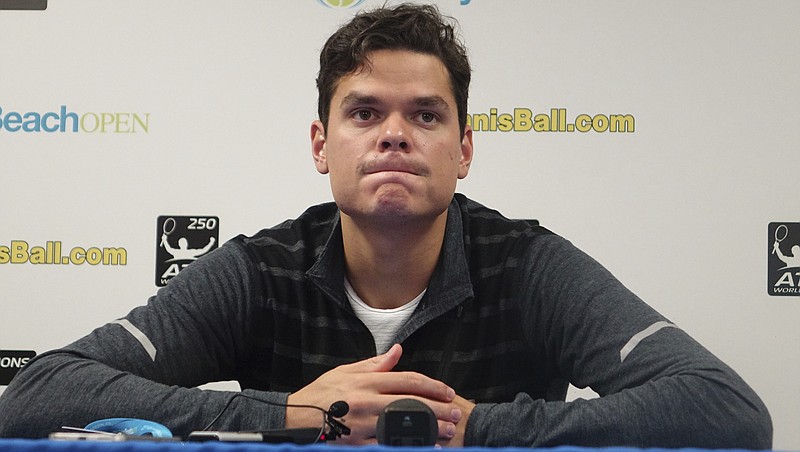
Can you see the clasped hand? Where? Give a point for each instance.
(368, 386)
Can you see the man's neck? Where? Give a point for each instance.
(390, 265)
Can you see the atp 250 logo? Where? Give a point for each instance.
(783, 261)
(182, 240)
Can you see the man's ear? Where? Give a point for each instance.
(466, 153)
(318, 148)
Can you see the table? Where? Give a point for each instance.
(23, 445)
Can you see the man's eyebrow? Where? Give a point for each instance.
(432, 101)
(357, 98)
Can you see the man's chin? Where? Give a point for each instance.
(389, 211)
(394, 215)
(393, 205)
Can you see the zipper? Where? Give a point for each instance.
(450, 345)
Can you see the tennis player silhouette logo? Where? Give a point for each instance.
(182, 252)
(793, 259)
(182, 240)
(784, 259)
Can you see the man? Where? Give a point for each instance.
(399, 289)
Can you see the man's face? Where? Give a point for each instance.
(393, 148)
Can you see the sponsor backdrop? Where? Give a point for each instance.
(660, 137)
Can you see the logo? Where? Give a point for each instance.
(53, 253)
(783, 260)
(557, 120)
(344, 4)
(63, 120)
(30, 5)
(181, 241)
(11, 361)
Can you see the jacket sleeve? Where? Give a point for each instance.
(658, 387)
(147, 364)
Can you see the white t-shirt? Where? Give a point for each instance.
(382, 323)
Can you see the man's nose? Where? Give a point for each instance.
(394, 136)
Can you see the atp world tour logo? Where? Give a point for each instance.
(181, 241)
(783, 264)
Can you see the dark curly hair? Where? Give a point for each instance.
(417, 28)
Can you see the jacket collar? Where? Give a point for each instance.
(450, 283)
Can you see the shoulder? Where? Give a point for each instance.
(482, 224)
(495, 243)
(301, 238)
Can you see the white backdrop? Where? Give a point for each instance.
(208, 106)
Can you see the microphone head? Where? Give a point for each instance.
(407, 422)
(338, 409)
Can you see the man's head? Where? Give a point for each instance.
(392, 134)
(416, 28)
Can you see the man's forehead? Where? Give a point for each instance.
(350, 96)
(418, 76)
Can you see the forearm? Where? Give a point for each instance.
(658, 387)
(148, 364)
(62, 388)
(673, 412)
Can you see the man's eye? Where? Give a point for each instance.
(364, 115)
(427, 117)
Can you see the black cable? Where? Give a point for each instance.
(337, 408)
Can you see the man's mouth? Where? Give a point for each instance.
(394, 165)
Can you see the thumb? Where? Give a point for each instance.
(380, 363)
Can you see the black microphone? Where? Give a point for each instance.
(337, 409)
(407, 422)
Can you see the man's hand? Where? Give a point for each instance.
(368, 386)
(457, 440)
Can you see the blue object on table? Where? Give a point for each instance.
(130, 426)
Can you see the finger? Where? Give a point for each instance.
(447, 412)
(380, 363)
(446, 430)
(354, 440)
(410, 385)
